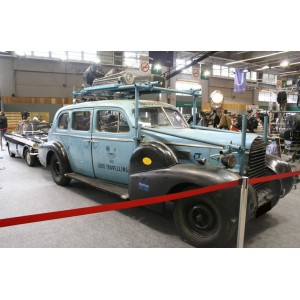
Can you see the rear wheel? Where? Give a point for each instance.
(201, 222)
(58, 171)
(30, 160)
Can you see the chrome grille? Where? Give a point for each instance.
(257, 160)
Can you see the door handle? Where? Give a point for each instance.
(91, 141)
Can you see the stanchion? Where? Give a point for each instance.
(243, 212)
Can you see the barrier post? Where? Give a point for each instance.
(243, 211)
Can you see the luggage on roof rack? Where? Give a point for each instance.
(127, 78)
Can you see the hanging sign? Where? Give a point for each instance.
(196, 73)
(144, 66)
(240, 81)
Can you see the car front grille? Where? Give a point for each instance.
(257, 161)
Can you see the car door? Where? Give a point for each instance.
(113, 144)
(79, 142)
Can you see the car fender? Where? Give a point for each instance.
(175, 178)
(278, 166)
(46, 151)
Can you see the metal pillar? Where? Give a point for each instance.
(243, 144)
(243, 212)
(136, 116)
(265, 134)
(194, 109)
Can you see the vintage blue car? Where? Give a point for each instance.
(25, 140)
(141, 148)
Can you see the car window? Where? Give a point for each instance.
(63, 121)
(111, 121)
(81, 120)
(158, 116)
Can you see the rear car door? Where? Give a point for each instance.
(79, 142)
(113, 144)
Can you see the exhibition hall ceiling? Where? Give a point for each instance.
(281, 63)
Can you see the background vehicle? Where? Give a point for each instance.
(141, 148)
(25, 140)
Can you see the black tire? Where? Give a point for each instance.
(9, 152)
(58, 169)
(201, 223)
(30, 160)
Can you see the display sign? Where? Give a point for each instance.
(144, 65)
(240, 81)
(164, 58)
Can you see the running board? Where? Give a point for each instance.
(120, 191)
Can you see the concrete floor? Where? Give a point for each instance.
(25, 191)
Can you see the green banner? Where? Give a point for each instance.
(184, 104)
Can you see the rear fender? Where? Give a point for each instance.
(48, 149)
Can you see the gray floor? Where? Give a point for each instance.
(25, 191)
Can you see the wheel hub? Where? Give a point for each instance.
(200, 218)
(57, 168)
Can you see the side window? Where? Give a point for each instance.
(81, 120)
(63, 121)
(111, 121)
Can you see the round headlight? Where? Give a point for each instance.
(35, 146)
(229, 161)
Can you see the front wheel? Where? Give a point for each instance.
(58, 171)
(30, 160)
(201, 222)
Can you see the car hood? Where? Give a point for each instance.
(218, 137)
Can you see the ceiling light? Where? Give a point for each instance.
(157, 67)
(284, 63)
(258, 57)
(97, 60)
(263, 68)
(289, 72)
(206, 73)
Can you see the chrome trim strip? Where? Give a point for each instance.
(94, 137)
(112, 139)
(193, 145)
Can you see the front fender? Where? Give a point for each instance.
(46, 150)
(278, 166)
(174, 179)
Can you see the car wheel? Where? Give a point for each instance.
(9, 152)
(201, 223)
(58, 169)
(30, 160)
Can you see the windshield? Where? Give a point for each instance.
(35, 127)
(158, 116)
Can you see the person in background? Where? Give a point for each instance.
(216, 119)
(3, 127)
(203, 119)
(225, 122)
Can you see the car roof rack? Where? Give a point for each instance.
(124, 85)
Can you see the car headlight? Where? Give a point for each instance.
(229, 161)
(35, 146)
